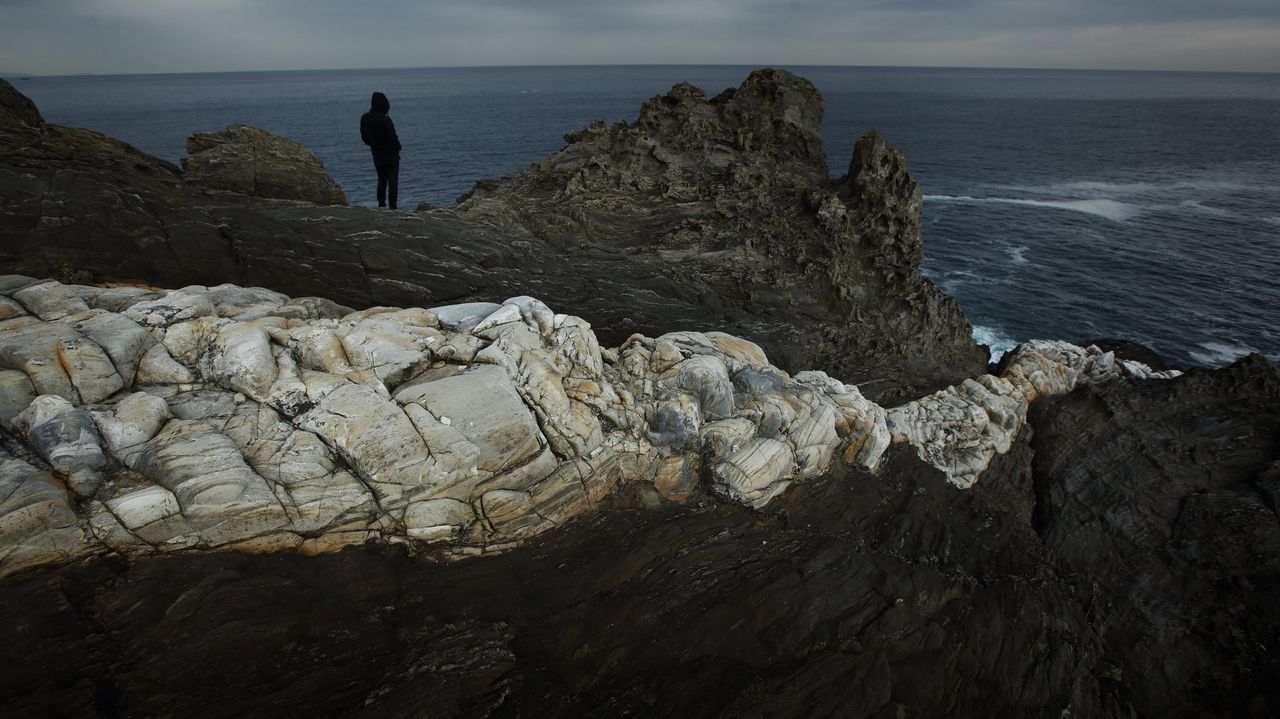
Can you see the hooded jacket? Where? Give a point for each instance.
(378, 132)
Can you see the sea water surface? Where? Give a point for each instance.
(1058, 204)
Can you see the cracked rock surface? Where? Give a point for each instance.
(238, 418)
(1064, 582)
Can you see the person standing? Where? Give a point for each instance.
(379, 133)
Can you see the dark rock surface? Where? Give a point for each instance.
(255, 162)
(1119, 561)
(703, 214)
(1165, 496)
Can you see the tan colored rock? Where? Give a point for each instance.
(435, 520)
(220, 497)
(90, 370)
(157, 367)
(32, 347)
(37, 521)
(124, 341)
(378, 441)
(756, 473)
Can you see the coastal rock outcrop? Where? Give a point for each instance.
(1116, 561)
(960, 429)
(240, 418)
(751, 464)
(235, 417)
(255, 162)
(706, 214)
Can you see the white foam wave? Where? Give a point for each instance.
(1108, 209)
(1018, 255)
(1096, 187)
(1217, 354)
(1199, 206)
(994, 339)
(1271, 220)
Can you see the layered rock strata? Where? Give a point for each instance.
(706, 214)
(228, 417)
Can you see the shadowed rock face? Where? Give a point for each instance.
(1165, 496)
(703, 214)
(857, 594)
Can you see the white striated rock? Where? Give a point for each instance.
(239, 418)
(483, 406)
(755, 473)
(239, 358)
(464, 317)
(377, 440)
(65, 436)
(962, 428)
(130, 424)
(51, 300)
(220, 497)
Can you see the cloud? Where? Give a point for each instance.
(64, 36)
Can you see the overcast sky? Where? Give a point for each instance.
(127, 36)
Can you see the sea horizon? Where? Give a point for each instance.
(959, 68)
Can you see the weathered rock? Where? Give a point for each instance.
(65, 436)
(472, 428)
(960, 429)
(255, 162)
(37, 521)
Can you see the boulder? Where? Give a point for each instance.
(250, 161)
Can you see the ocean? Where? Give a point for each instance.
(1058, 204)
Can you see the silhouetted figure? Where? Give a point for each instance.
(379, 133)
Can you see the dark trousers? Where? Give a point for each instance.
(388, 181)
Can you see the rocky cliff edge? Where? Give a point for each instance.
(706, 214)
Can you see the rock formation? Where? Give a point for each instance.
(703, 215)
(1115, 557)
(238, 418)
(254, 162)
(230, 417)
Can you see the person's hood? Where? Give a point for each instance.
(380, 103)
